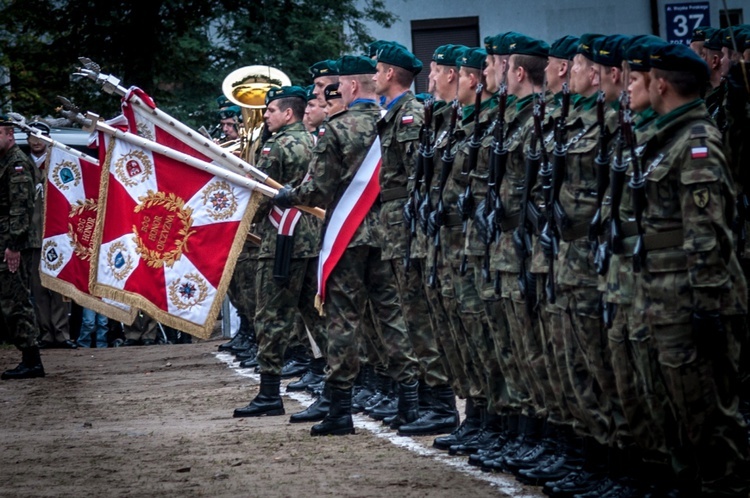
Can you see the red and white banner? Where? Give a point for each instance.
(70, 209)
(348, 215)
(170, 236)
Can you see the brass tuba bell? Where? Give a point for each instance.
(247, 87)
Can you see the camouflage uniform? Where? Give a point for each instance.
(399, 135)
(241, 289)
(691, 270)
(286, 157)
(17, 233)
(361, 273)
(50, 308)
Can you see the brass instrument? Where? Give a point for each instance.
(247, 87)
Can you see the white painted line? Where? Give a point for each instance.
(504, 483)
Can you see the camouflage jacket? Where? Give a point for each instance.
(285, 157)
(16, 200)
(690, 262)
(40, 180)
(399, 141)
(336, 158)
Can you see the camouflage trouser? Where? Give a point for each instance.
(640, 392)
(241, 289)
(513, 308)
(706, 436)
(371, 343)
(49, 306)
(15, 303)
(447, 347)
(277, 310)
(361, 274)
(466, 370)
(588, 358)
(418, 324)
(143, 328)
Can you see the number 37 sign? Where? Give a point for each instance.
(683, 18)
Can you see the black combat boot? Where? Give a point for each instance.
(267, 402)
(314, 375)
(533, 449)
(241, 340)
(338, 421)
(440, 417)
(297, 364)
(408, 405)
(387, 406)
(365, 389)
(315, 412)
(30, 367)
(591, 475)
(489, 435)
(467, 430)
(566, 457)
(383, 385)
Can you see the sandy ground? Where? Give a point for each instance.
(157, 421)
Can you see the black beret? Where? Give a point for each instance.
(501, 43)
(356, 64)
(331, 92)
(526, 45)
(702, 33)
(372, 48)
(5, 120)
(586, 44)
(285, 92)
(714, 42)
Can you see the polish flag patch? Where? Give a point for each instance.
(266, 151)
(19, 168)
(699, 152)
(408, 119)
(321, 131)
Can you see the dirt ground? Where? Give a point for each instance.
(157, 421)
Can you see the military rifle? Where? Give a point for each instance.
(447, 158)
(412, 203)
(601, 164)
(493, 207)
(637, 186)
(427, 151)
(626, 138)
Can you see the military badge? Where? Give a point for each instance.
(52, 258)
(189, 291)
(164, 228)
(133, 168)
(119, 260)
(66, 174)
(701, 197)
(266, 150)
(408, 119)
(145, 131)
(220, 200)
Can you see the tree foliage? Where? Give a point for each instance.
(179, 51)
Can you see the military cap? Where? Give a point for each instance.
(743, 38)
(488, 45)
(356, 64)
(526, 45)
(310, 92)
(741, 33)
(714, 42)
(285, 92)
(5, 120)
(328, 67)
(372, 48)
(501, 43)
(638, 51)
(331, 92)
(586, 44)
(43, 127)
(472, 57)
(678, 57)
(230, 112)
(608, 50)
(564, 48)
(223, 101)
(702, 33)
(398, 56)
(422, 97)
(446, 55)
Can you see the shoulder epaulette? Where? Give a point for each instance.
(698, 131)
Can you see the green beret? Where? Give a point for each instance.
(586, 44)
(472, 57)
(446, 55)
(714, 42)
(526, 45)
(727, 34)
(397, 56)
(702, 33)
(678, 57)
(741, 33)
(564, 48)
(331, 92)
(285, 92)
(5, 120)
(638, 51)
(422, 97)
(230, 112)
(501, 43)
(608, 51)
(310, 92)
(223, 101)
(372, 48)
(328, 67)
(356, 64)
(488, 45)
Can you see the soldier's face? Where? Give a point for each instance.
(346, 84)
(638, 91)
(434, 72)
(36, 145)
(726, 60)
(501, 63)
(381, 78)
(490, 80)
(7, 139)
(320, 83)
(697, 47)
(314, 115)
(274, 117)
(229, 128)
(580, 75)
(552, 73)
(465, 91)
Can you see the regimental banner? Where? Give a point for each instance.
(168, 236)
(70, 209)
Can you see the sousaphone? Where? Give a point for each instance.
(247, 87)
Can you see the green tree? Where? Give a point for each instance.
(179, 51)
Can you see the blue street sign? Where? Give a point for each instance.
(683, 18)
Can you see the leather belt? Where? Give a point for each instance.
(393, 194)
(654, 241)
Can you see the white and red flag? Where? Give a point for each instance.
(170, 235)
(70, 212)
